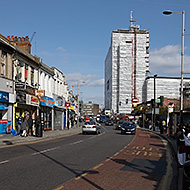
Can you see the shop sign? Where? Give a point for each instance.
(4, 97)
(67, 104)
(3, 125)
(170, 110)
(19, 85)
(71, 107)
(3, 106)
(58, 103)
(32, 100)
(39, 92)
(46, 101)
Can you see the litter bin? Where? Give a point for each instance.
(186, 175)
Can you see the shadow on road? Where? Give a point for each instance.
(77, 174)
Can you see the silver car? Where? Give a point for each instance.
(91, 127)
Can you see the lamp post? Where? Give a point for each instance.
(154, 114)
(168, 12)
(78, 101)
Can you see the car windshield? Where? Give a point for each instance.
(90, 123)
(128, 124)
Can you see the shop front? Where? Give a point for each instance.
(26, 104)
(46, 106)
(59, 109)
(4, 106)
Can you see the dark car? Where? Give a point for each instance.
(128, 128)
(119, 123)
(109, 122)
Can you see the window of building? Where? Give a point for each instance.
(26, 72)
(3, 63)
(32, 76)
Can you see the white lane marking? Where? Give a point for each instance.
(3, 162)
(43, 151)
(76, 142)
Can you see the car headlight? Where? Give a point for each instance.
(132, 129)
(122, 128)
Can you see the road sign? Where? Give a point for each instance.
(135, 101)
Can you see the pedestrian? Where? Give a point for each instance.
(150, 124)
(24, 127)
(72, 122)
(181, 154)
(186, 135)
(37, 125)
(68, 123)
(19, 122)
(30, 124)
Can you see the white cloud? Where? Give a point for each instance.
(47, 53)
(99, 82)
(61, 49)
(167, 61)
(74, 78)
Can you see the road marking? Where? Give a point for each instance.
(3, 162)
(79, 177)
(116, 154)
(96, 167)
(44, 151)
(77, 142)
(145, 151)
(59, 188)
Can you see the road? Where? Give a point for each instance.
(105, 161)
(51, 163)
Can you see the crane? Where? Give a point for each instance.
(32, 37)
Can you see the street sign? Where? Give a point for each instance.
(135, 101)
(67, 104)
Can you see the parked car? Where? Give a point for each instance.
(128, 128)
(118, 125)
(91, 127)
(109, 122)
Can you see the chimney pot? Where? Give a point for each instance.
(23, 39)
(8, 37)
(12, 38)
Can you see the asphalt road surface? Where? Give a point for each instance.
(49, 164)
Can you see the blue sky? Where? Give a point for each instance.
(74, 35)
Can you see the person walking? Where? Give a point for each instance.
(186, 136)
(181, 154)
(30, 124)
(37, 125)
(24, 127)
(68, 123)
(19, 122)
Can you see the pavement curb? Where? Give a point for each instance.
(173, 148)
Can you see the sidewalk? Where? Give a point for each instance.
(7, 140)
(173, 145)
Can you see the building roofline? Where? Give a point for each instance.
(130, 31)
(166, 77)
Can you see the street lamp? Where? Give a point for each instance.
(80, 82)
(168, 12)
(154, 114)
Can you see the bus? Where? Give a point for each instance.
(86, 118)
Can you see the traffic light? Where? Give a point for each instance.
(152, 102)
(161, 100)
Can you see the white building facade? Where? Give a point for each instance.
(164, 86)
(126, 67)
